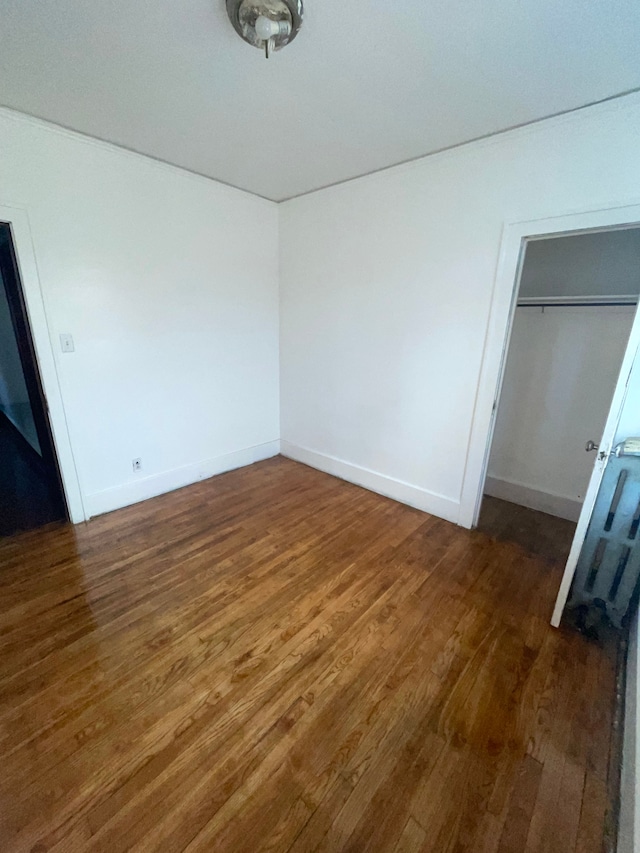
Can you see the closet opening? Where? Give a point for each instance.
(576, 304)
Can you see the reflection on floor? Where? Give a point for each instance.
(26, 500)
(538, 533)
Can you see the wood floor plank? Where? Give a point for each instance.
(276, 660)
(413, 838)
(520, 809)
(592, 815)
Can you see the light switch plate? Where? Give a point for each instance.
(66, 343)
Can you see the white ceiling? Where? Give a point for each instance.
(365, 85)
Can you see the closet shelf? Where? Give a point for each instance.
(574, 301)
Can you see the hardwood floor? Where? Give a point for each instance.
(277, 660)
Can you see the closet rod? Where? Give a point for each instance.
(574, 301)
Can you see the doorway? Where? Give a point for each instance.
(575, 308)
(31, 491)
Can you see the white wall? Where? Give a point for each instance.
(561, 370)
(14, 397)
(386, 285)
(605, 263)
(169, 285)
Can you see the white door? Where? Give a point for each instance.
(623, 421)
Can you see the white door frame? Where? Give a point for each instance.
(503, 304)
(18, 219)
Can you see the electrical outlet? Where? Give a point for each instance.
(137, 464)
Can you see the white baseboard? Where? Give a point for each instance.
(629, 823)
(405, 493)
(167, 481)
(518, 493)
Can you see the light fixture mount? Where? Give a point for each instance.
(266, 24)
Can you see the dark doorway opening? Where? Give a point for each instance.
(31, 491)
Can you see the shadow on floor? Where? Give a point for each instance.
(537, 532)
(548, 537)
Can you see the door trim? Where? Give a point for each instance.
(18, 220)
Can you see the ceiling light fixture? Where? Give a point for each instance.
(266, 24)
